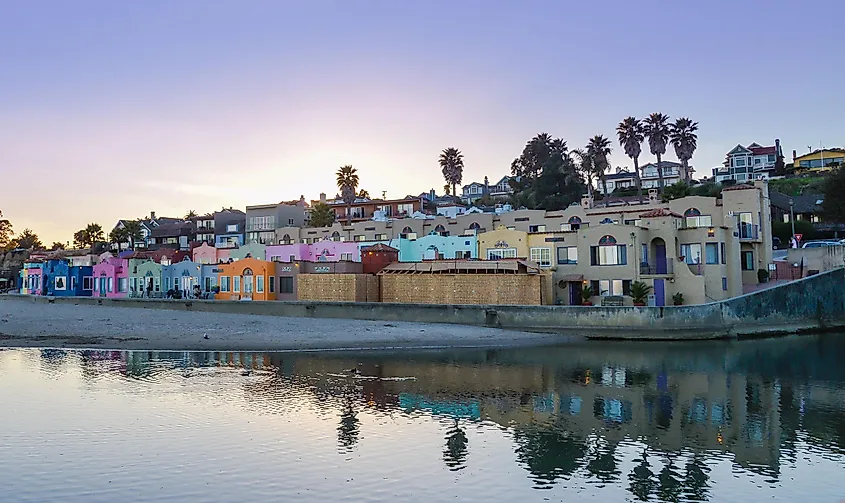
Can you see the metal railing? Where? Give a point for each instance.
(656, 268)
(748, 231)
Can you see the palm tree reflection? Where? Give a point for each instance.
(348, 430)
(548, 451)
(642, 479)
(455, 453)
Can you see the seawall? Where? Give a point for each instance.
(813, 304)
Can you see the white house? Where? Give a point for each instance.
(754, 162)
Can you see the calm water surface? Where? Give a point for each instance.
(749, 421)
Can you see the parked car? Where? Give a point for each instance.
(775, 243)
(820, 243)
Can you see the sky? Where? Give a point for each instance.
(111, 109)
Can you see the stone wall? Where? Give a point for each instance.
(467, 289)
(337, 287)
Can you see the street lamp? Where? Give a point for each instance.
(792, 219)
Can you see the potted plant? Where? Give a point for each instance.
(639, 292)
(586, 295)
(762, 275)
(678, 299)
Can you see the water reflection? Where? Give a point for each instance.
(651, 421)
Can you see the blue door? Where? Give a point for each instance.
(574, 293)
(659, 293)
(660, 259)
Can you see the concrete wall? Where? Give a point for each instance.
(821, 259)
(812, 304)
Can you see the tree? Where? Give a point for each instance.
(676, 191)
(190, 214)
(452, 164)
(833, 204)
(56, 246)
(363, 194)
(347, 182)
(545, 175)
(656, 129)
(6, 233)
(630, 133)
(780, 167)
(27, 240)
(585, 168)
(89, 236)
(133, 232)
(599, 148)
(683, 138)
(322, 215)
(447, 190)
(117, 236)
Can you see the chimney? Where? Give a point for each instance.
(152, 215)
(794, 155)
(432, 195)
(587, 201)
(323, 197)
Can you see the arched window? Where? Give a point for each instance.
(574, 220)
(606, 221)
(607, 240)
(694, 218)
(407, 230)
(692, 212)
(474, 226)
(335, 236)
(440, 228)
(573, 224)
(285, 239)
(248, 272)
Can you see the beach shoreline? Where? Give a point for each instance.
(27, 324)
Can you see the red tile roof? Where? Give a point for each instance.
(379, 247)
(660, 212)
(763, 150)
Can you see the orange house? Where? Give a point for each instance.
(246, 279)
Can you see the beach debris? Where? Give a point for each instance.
(246, 372)
(205, 336)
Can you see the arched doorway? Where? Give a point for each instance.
(661, 266)
(248, 281)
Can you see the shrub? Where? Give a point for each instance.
(678, 299)
(762, 275)
(640, 291)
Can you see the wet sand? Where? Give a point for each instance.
(27, 324)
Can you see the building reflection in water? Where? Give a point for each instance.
(570, 410)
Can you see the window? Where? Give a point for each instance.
(694, 218)
(500, 253)
(712, 253)
(542, 256)
(110, 285)
(236, 284)
(166, 283)
(536, 228)
(724, 255)
(346, 256)
(290, 221)
(757, 160)
(224, 283)
(272, 284)
(88, 283)
(259, 284)
(747, 260)
(157, 284)
(73, 282)
(606, 287)
(608, 252)
(771, 158)
(405, 208)
(739, 161)
(122, 284)
(691, 252)
(285, 284)
(359, 237)
(381, 237)
(567, 255)
(724, 284)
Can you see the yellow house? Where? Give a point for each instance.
(503, 243)
(819, 161)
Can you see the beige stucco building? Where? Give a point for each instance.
(706, 248)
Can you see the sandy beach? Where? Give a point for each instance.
(27, 324)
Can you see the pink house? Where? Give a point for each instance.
(205, 254)
(321, 251)
(111, 278)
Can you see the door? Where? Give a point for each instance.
(574, 293)
(247, 287)
(659, 292)
(660, 258)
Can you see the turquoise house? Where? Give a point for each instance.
(436, 247)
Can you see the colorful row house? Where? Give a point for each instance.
(108, 276)
(61, 279)
(186, 275)
(31, 274)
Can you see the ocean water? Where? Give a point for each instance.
(759, 420)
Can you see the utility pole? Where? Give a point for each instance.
(792, 219)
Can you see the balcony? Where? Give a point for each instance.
(655, 268)
(748, 232)
(260, 227)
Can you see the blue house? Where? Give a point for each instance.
(184, 275)
(436, 247)
(63, 280)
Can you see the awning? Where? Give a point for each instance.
(572, 277)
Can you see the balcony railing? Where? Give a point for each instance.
(260, 227)
(748, 231)
(657, 268)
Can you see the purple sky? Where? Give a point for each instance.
(111, 109)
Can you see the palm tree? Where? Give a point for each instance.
(585, 168)
(363, 194)
(656, 129)
(95, 233)
(347, 182)
(117, 236)
(133, 232)
(631, 137)
(190, 214)
(599, 148)
(683, 138)
(452, 164)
